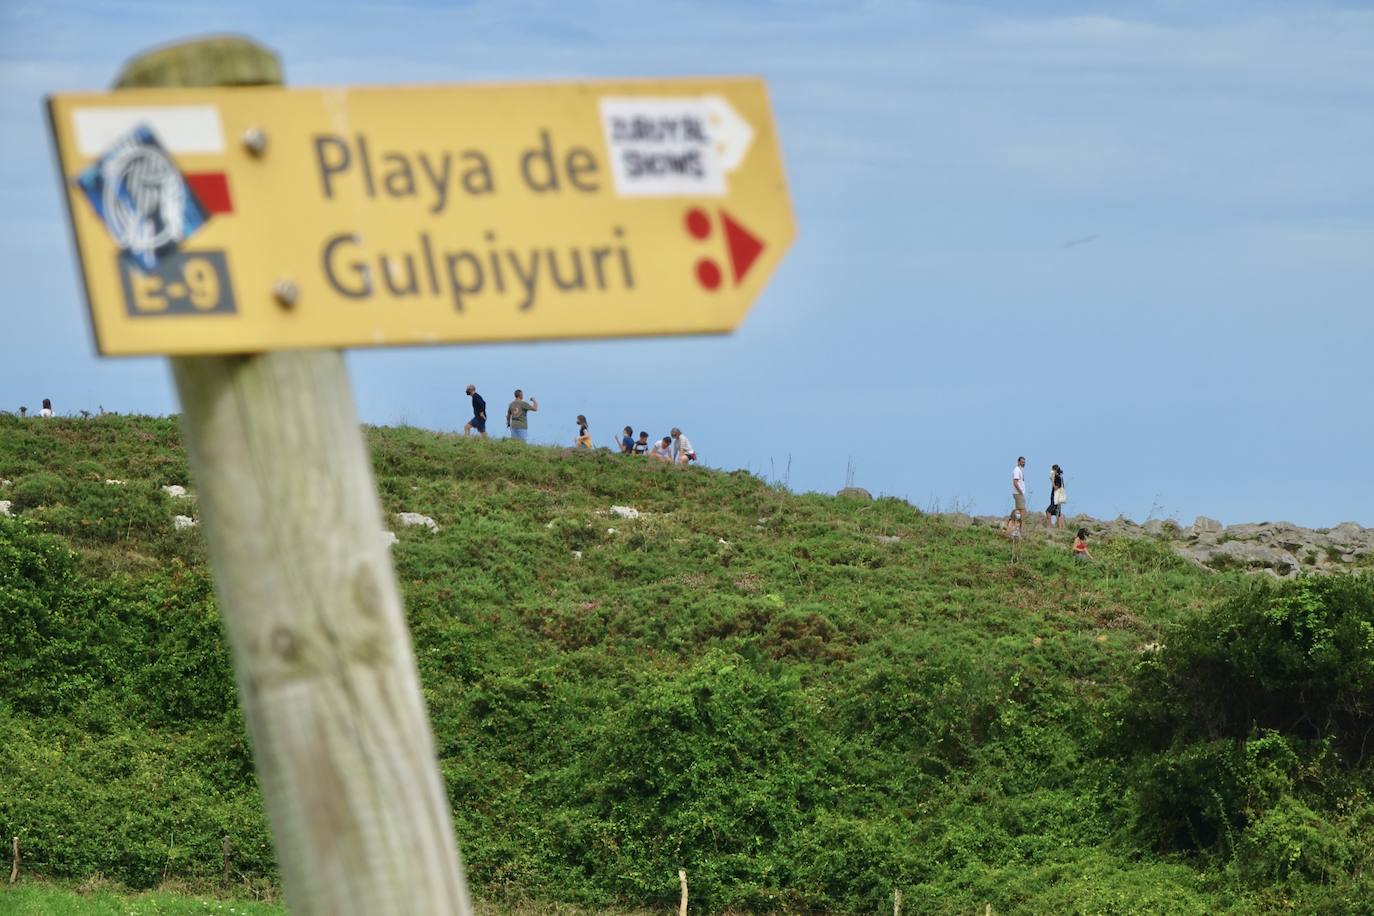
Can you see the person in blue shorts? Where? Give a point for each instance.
(479, 413)
(517, 415)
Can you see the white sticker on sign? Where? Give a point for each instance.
(662, 147)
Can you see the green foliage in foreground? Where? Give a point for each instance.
(745, 683)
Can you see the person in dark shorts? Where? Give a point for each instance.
(584, 436)
(479, 414)
(627, 441)
(1055, 510)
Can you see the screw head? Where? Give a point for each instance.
(286, 293)
(255, 141)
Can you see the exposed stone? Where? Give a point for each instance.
(389, 538)
(415, 518)
(5, 508)
(889, 539)
(1255, 555)
(6, 483)
(184, 521)
(625, 511)
(855, 493)
(112, 482)
(176, 491)
(1204, 525)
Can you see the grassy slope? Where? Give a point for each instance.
(803, 717)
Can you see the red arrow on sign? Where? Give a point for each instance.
(744, 246)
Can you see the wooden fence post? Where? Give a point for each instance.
(322, 657)
(682, 902)
(897, 902)
(14, 868)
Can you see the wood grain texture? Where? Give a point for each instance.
(325, 670)
(323, 660)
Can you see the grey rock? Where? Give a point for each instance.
(5, 508)
(181, 522)
(176, 491)
(112, 482)
(855, 493)
(889, 539)
(625, 511)
(1258, 556)
(415, 518)
(6, 483)
(1204, 525)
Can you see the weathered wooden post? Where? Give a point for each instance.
(682, 901)
(14, 867)
(322, 657)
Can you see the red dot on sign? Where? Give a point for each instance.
(708, 273)
(698, 223)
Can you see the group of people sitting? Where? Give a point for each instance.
(674, 448)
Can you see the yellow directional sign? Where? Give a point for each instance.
(250, 219)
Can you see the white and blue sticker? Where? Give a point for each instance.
(142, 197)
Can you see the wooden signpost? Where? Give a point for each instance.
(250, 231)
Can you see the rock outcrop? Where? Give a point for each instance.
(1280, 549)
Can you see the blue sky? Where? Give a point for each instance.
(1206, 352)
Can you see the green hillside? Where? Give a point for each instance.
(807, 702)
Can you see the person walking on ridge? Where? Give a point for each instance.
(1055, 509)
(1018, 485)
(517, 415)
(479, 413)
(584, 437)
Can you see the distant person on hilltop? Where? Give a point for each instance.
(517, 415)
(663, 450)
(642, 446)
(627, 441)
(479, 413)
(47, 408)
(584, 437)
(1057, 497)
(1018, 485)
(682, 448)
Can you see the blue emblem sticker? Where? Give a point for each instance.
(142, 197)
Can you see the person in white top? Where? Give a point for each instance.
(1018, 485)
(682, 448)
(47, 408)
(662, 450)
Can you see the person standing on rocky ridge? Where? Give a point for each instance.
(517, 415)
(479, 413)
(1018, 485)
(1057, 497)
(46, 412)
